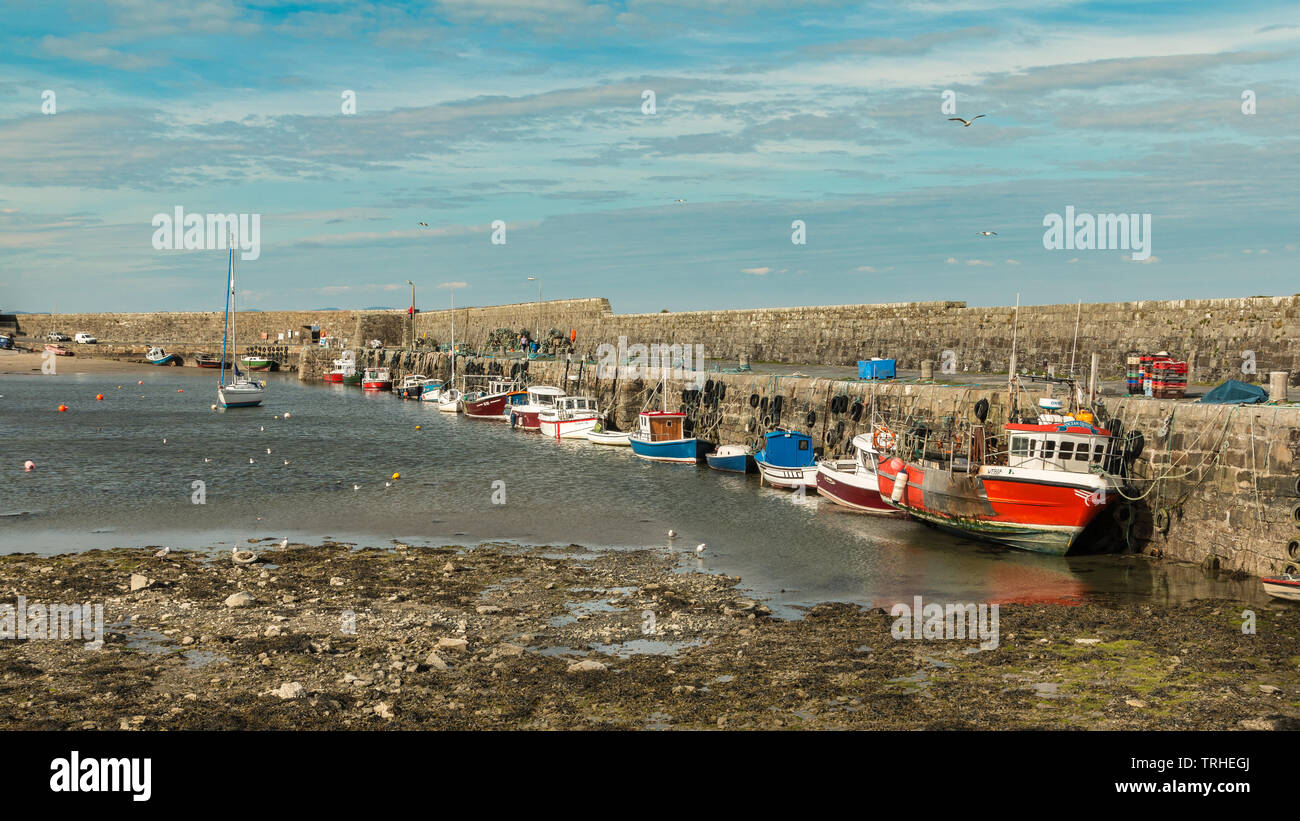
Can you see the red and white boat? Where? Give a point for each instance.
(853, 483)
(1055, 478)
(494, 402)
(1286, 586)
(540, 398)
(571, 418)
(58, 350)
(377, 379)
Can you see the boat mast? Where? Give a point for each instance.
(453, 338)
(225, 323)
(1011, 371)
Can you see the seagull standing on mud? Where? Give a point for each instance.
(966, 123)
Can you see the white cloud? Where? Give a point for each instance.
(758, 272)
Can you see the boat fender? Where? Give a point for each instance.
(777, 404)
(762, 406)
(982, 409)
(1293, 549)
(1162, 520)
(767, 421)
(753, 400)
(856, 413)
(749, 425)
(719, 392)
(1295, 515)
(900, 486)
(1123, 514)
(811, 418)
(1133, 444)
(708, 387)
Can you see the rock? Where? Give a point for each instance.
(139, 582)
(336, 581)
(587, 666)
(290, 689)
(384, 710)
(435, 661)
(241, 599)
(187, 640)
(1257, 724)
(1135, 702)
(485, 609)
(1269, 689)
(449, 568)
(272, 631)
(456, 645)
(507, 650)
(1087, 641)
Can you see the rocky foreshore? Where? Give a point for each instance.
(507, 637)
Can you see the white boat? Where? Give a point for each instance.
(1285, 586)
(240, 391)
(449, 400)
(570, 418)
(617, 438)
(853, 483)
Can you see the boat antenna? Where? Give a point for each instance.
(1075, 345)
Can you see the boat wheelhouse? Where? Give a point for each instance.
(571, 418)
(852, 482)
(540, 398)
(787, 460)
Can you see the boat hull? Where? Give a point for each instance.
(377, 385)
(731, 462)
(166, 360)
(525, 420)
(1281, 589)
(336, 378)
(487, 407)
(256, 364)
(232, 397)
(679, 451)
(853, 488)
(790, 478)
(567, 428)
(999, 504)
(609, 437)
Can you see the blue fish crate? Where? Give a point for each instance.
(876, 369)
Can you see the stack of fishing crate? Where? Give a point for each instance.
(1159, 376)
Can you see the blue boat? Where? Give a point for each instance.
(157, 356)
(660, 438)
(732, 458)
(787, 460)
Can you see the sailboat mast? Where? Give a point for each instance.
(1011, 374)
(453, 337)
(225, 321)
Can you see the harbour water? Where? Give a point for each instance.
(121, 473)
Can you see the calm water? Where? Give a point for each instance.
(106, 478)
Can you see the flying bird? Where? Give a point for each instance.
(988, 233)
(424, 224)
(966, 122)
(679, 200)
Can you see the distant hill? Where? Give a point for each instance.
(379, 308)
(327, 309)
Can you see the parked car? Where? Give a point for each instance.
(55, 336)
(85, 339)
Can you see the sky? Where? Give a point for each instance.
(769, 120)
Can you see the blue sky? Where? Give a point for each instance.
(530, 112)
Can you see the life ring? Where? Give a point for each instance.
(1123, 514)
(882, 438)
(1162, 520)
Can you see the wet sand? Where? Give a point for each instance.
(17, 362)
(508, 637)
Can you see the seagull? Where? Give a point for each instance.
(162, 552)
(284, 542)
(966, 122)
(286, 461)
(424, 224)
(250, 460)
(268, 450)
(164, 441)
(356, 487)
(207, 458)
(699, 548)
(388, 484)
(262, 428)
(672, 534)
(679, 200)
(988, 233)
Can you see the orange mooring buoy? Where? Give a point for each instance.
(62, 408)
(99, 397)
(29, 465)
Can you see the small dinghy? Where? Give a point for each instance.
(1286, 586)
(617, 438)
(732, 459)
(157, 356)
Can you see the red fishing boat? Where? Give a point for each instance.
(377, 379)
(1057, 475)
(540, 398)
(493, 403)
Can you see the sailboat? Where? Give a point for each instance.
(240, 391)
(449, 399)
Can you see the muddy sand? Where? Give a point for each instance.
(507, 637)
(19, 362)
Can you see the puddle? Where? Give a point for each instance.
(155, 643)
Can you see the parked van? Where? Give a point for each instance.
(85, 339)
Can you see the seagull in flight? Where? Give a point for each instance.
(679, 200)
(966, 122)
(988, 233)
(424, 225)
